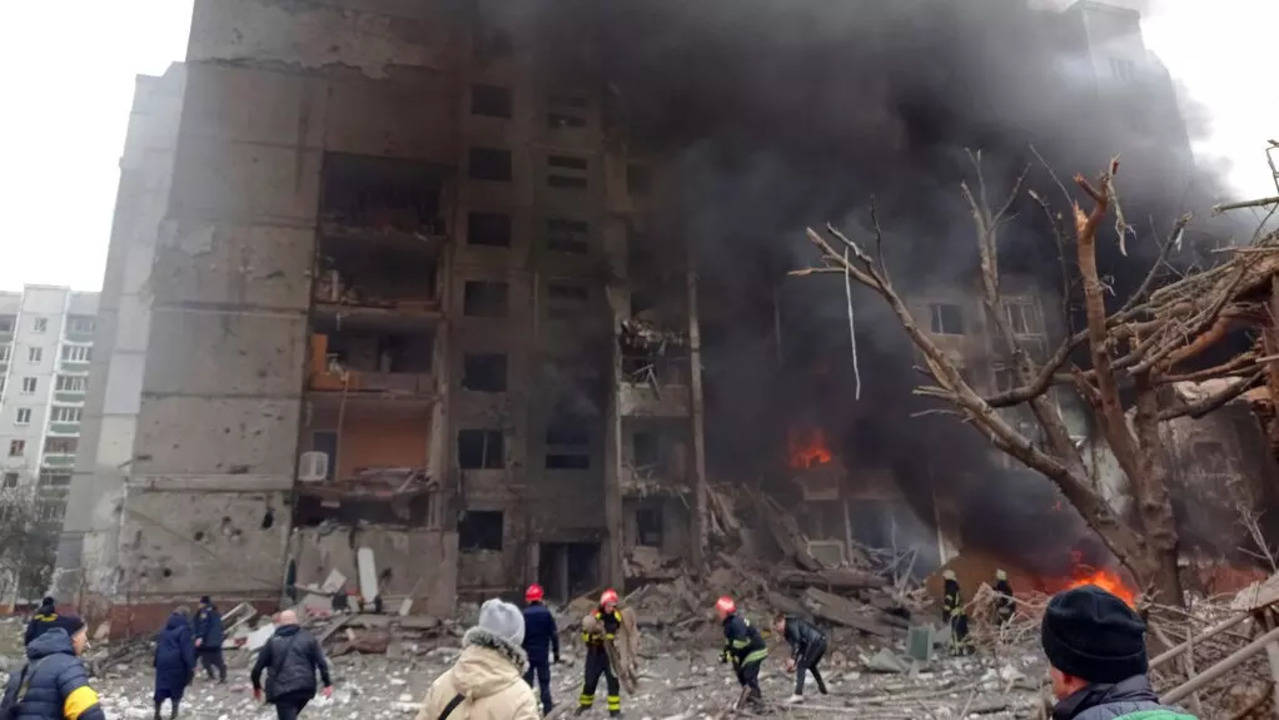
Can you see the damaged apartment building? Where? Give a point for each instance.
(381, 278)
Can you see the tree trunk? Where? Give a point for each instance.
(1154, 506)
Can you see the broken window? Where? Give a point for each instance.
(648, 527)
(490, 164)
(566, 171)
(566, 110)
(645, 449)
(480, 530)
(60, 445)
(28, 386)
(947, 319)
(491, 100)
(639, 179)
(72, 383)
(480, 450)
(484, 372)
(380, 192)
(568, 236)
(39, 324)
(35, 354)
(371, 351)
(488, 228)
(484, 298)
(568, 439)
(10, 480)
(76, 353)
(65, 414)
(17, 447)
(566, 300)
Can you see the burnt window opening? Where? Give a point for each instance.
(568, 439)
(566, 171)
(566, 300)
(479, 530)
(490, 164)
(368, 191)
(375, 270)
(481, 298)
(484, 372)
(947, 319)
(645, 449)
(568, 236)
(488, 228)
(491, 100)
(406, 353)
(566, 111)
(480, 450)
(648, 527)
(639, 179)
(568, 461)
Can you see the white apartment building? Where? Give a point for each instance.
(46, 343)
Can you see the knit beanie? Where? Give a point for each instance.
(1091, 634)
(503, 620)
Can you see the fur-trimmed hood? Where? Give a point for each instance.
(487, 664)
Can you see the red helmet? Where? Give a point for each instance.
(609, 596)
(534, 593)
(726, 604)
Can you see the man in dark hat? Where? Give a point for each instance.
(45, 618)
(1097, 653)
(208, 639)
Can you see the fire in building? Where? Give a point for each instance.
(497, 291)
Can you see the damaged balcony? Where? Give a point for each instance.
(370, 353)
(655, 371)
(656, 497)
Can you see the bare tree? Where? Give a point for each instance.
(27, 546)
(1131, 354)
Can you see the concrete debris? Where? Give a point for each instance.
(886, 661)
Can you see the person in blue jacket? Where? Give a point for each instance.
(54, 685)
(208, 639)
(540, 636)
(174, 662)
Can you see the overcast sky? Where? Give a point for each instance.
(68, 70)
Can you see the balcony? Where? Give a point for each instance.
(651, 400)
(64, 429)
(58, 460)
(390, 358)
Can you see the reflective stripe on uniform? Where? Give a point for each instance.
(756, 656)
(614, 702)
(79, 700)
(741, 643)
(586, 700)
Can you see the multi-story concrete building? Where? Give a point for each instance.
(382, 291)
(46, 344)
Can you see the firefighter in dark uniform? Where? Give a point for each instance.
(1005, 605)
(607, 622)
(953, 613)
(744, 647)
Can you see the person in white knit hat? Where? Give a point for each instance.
(487, 681)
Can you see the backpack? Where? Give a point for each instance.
(9, 705)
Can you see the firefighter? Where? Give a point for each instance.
(953, 613)
(600, 627)
(744, 646)
(1005, 605)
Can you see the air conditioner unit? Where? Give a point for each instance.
(313, 467)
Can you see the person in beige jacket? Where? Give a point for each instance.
(487, 681)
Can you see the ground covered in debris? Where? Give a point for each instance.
(680, 677)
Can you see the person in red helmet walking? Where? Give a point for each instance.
(744, 647)
(541, 639)
(597, 628)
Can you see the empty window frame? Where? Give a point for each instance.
(23, 417)
(491, 100)
(489, 229)
(645, 449)
(480, 450)
(65, 414)
(568, 439)
(566, 172)
(483, 298)
(72, 383)
(947, 319)
(77, 353)
(648, 526)
(480, 530)
(568, 236)
(490, 164)
(484, 372)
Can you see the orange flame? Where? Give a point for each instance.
(807, 448)
(1106, 579)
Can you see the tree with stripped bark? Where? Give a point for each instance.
(1120, 363)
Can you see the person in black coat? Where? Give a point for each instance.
(291, 658)
(54, 684)
(45, 618)
(208, 638)
(541, 638)
(174, 662)
(807, 645)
